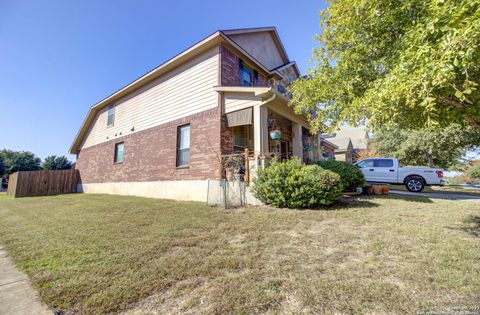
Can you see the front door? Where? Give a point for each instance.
(283, 150)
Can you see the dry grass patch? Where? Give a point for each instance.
(98, 254)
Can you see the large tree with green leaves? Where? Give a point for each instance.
(439, 147)
(54, 162)
(408, 63)
(15, 161)
(2, 167)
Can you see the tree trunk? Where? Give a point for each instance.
(429, 159)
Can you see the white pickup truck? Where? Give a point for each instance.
(387, 170)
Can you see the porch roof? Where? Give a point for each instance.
(241, 97)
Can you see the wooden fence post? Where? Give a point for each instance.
(246, 178)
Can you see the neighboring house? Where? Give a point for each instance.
(163, 134)
(350, 142)
(345, 151)
(327, 149)
(359, 137)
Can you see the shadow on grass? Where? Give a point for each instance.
(347, 202)
(472, 225)
(411, 198)
(355, 202)
(367, 202)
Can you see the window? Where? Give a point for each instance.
(365, 163)
(111, 115)
(245, 75)
(238, 138)
(242, 138)
(119, 152)
(383, 163)
(183, 145)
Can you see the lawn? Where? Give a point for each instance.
(100, 254)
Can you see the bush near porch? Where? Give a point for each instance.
(350, 176)
(290, 184)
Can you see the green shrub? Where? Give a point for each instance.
(350, 176)
(474, 173)
(290, 184)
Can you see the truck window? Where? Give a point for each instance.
(383, 163)
(365, 163)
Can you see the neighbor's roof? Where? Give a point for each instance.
(330, 144)
(359, 136)
(203, 45)
(342, 143)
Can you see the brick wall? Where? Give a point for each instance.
(150, 155)
(230, 65)
(226, 137)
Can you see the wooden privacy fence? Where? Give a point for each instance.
(42, 183)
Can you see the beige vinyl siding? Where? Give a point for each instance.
(238, 101)
(262, 47)
(182, 92)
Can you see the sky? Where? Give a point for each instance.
(58, 58)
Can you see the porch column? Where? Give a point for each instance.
(260, 129)
(297, 145)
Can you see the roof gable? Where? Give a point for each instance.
(342, 143)
(262, 43)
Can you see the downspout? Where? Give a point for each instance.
(271, 98)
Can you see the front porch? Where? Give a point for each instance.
(258, 120)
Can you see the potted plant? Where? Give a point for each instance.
(275, 134)
(233, 165)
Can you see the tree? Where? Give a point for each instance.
(440, 147)
(54, 162)
(407, 63)
(473, 173)
(15, 161)
(2, 167)
(370, 152)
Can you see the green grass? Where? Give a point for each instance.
(3, 196)
(100, 254)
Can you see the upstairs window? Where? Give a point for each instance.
(245, 75)
(183, 145)
(111, 115)
(119, 152)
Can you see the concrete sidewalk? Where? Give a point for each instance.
(439, 195)
(16, 294)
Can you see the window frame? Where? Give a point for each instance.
(116, 151)
(244, 67)
(178, 162)
(111, 113)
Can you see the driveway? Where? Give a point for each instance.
(449, 196)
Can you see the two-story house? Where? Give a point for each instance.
(164, 134)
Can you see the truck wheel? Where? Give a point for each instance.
(415, 184)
